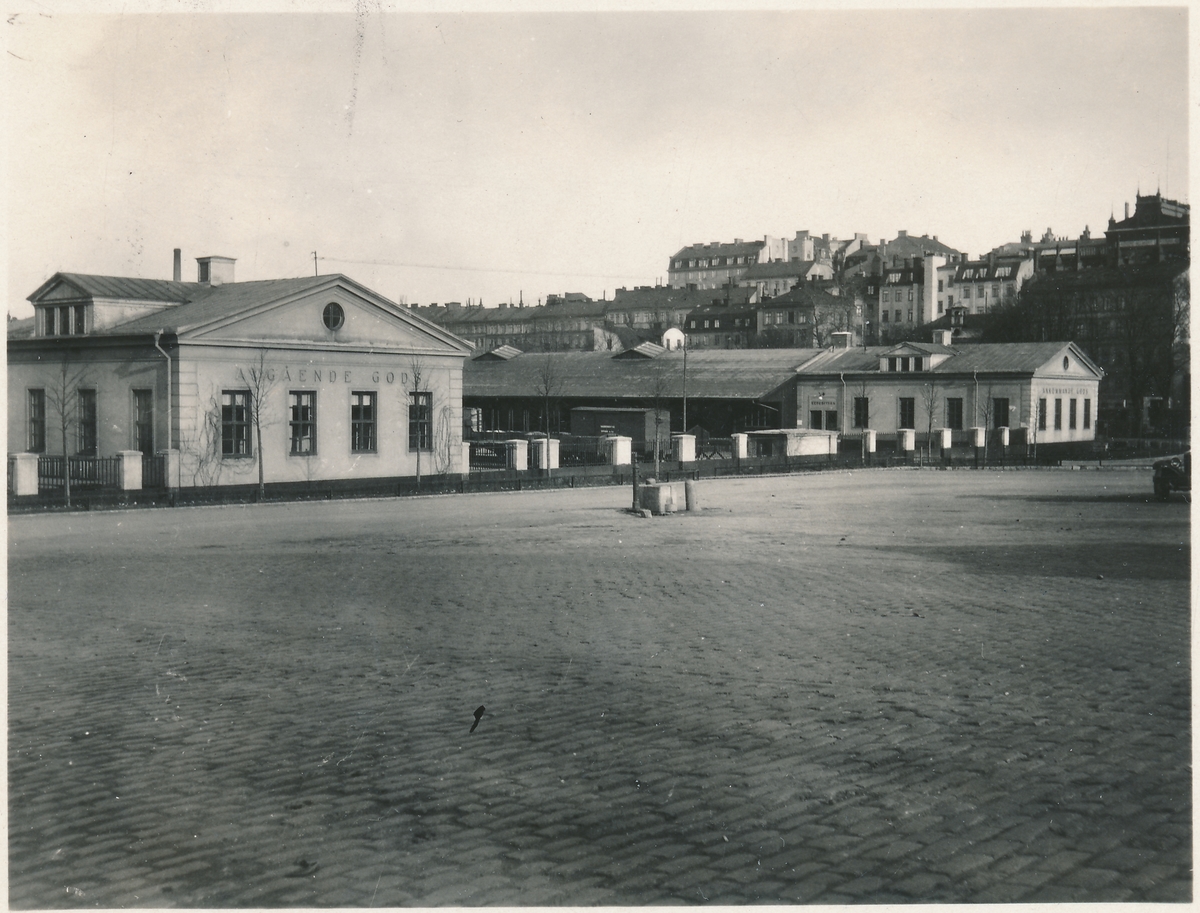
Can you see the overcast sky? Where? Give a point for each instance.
(442, 157)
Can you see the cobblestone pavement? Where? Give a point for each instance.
(879, 686)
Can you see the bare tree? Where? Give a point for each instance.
(261, 383)
(547, 386)
(62, 402)
(418, 421)
(660, 391)
(930, 399)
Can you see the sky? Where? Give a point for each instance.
(492, 157)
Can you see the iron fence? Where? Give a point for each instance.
(582, 450)
(85, 472)
(154, 471)
(488, 455)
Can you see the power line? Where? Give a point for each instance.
(482, 269)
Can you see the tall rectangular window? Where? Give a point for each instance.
(814, 419)
(87, 422)
(908, 412)
(80, 314)
(862, 411)
(1072, 414)
(302, 422)
(420, 421)
(49, 314)
(37, 422)
(1058, 414)
(362, 422)
(143, 421)
(954, 413)
(235, 423)
(1087, 413)
(1000, 412)
(1041, 414)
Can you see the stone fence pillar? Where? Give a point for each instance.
(620, 450)
(741, 446)
(683, 448)
(516, 454)
(130, 469)
(171, 468)
(25, 473)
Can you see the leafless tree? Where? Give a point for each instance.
(547, 386)
(416, 367)
(930, 399)
(660, 391)
(62, 402)
(260, 380)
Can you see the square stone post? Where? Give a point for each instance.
(683, 448)
(517, 454)
(25, 474)
(620, 450)
(130, 469)
(171, 468)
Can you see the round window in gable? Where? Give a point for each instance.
(1066, 362)
(334, 316)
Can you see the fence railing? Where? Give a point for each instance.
(86, 472)
(488, 455)
(582, 450)
(154, 471)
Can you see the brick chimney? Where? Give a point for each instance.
(177, 272)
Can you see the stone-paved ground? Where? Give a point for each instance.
(836, 688)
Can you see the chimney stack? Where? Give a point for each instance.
(177, 273)
(215, 270)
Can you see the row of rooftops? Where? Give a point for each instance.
(747, 373)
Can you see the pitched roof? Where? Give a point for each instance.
(711, 374)
(123, 287)
(982, 358)
(719, 249)
(806, 294)
(779, 269)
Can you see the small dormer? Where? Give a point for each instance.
(907, 358)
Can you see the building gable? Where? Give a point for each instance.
(339, 314)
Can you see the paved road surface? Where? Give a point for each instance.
(846, 687)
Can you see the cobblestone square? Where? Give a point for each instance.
(855, 687)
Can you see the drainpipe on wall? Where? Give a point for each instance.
(845, 404)
(157, 336)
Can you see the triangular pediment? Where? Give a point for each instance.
(59, 289)
(1070, 361)
(337, 314)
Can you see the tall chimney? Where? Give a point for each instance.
(1126, 210)
(177, 273)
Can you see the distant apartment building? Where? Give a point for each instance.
(1157, 232)
(979, 286)
(778, 277)
(716, 264)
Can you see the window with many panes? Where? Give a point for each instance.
(302, 422)
(420, 421)
(362, 422)
(1041, 414)
(954, 413)
(862, 411)
(36, 442)
(143, 421)
(87, 430)
(1072, 414)
(1087, 413)
(1057, 414)
(235, 423)
(908, 412)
